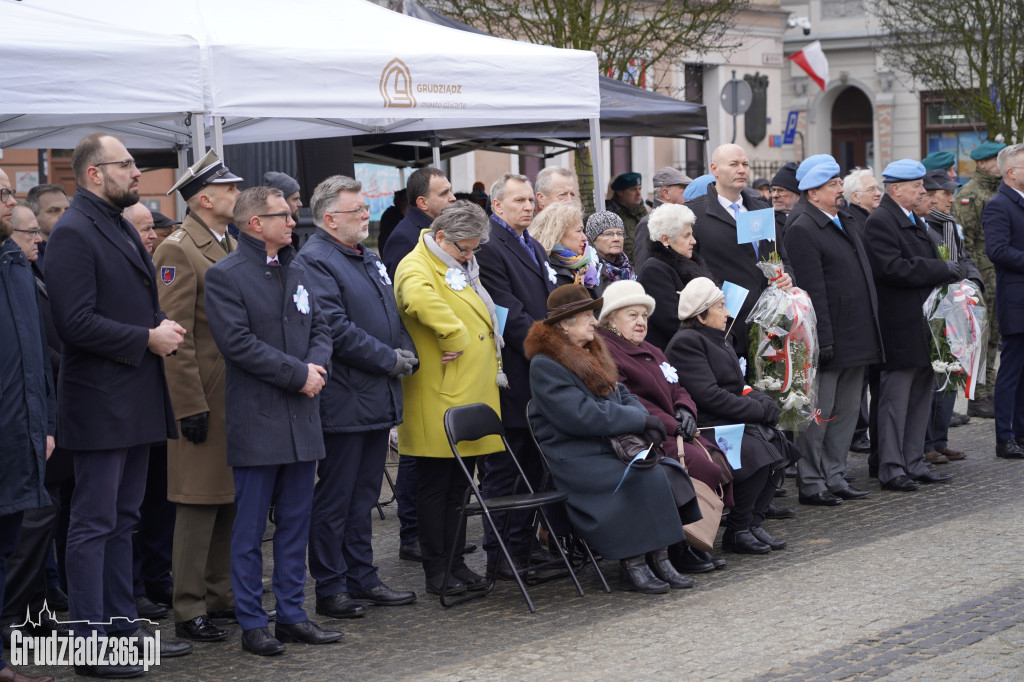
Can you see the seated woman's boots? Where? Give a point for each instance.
(743, 542)
(686, 560)
(664, 570)
(636, 576)
(762, 535)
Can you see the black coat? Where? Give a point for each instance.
(715, 231)
(515, 282)
(642, 240)
(907, 267)
(859, 216)
(404, 238)
(663, 277)
(112, 392)
(1004, 244)
(833, 269)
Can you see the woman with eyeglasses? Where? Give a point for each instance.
(608, 235)
(451, 319)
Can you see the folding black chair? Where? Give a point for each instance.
(473, 422)
(574, 542)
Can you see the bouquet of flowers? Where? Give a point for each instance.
(784, 349)
(956, 316)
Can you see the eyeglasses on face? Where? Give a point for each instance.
(462, 250)
(5, 195)
(358, 210)
(34, 232)
(282, 214)
(125, 165)
(612, 234)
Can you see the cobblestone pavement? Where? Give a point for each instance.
(903, 586)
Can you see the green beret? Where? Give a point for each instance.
(938, 160)
(625, 181)
(986, 150)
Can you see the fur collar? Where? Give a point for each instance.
(593, 363)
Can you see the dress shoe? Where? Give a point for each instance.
(663, 570)
(147, 609)
(822, 499)
(851, 493)
(259, 641)
(168, 648)
(410, 552)
(9, 674)
(163, 596)
(469, 548)
(382, 595)
(774, 512)
(762, 535)
(861, 444)
(339, 605)
(901, 484)
(636, 576)
(982, 407)
(781, 492)
(743, 542)
(718, 562)
(306, 632)
(110, 672)
(952, 455)
(473, 580)
(56, 599)
(686, 560)
(199, 629)
(958, 420)
(505, 573)
(932, 477)
(1009, 449)
(935, 457)
(455, 586)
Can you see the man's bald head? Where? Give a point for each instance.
(731, 169)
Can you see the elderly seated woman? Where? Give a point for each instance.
(577, 405)
(608, 235)
(710, 371)
(670, 267)
(645, 371)
(559, 229)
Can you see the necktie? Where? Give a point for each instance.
(224, 244)
(835, 219)
(273, 262)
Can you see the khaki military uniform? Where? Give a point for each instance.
(630, 219)
(967, 209)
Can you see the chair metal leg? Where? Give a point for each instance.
(508, 558)
(565, 558)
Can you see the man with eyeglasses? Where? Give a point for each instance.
(361, 402)
(669, 185)
(113, 400)
(48, 203)
(199, 481)
(266, 321)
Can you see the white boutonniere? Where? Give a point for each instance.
(551, 273)
(301, 298)
(383, 272)
(671, 375)
(456, 279)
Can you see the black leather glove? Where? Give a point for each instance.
(194, 428)
(771, 413)
(687, 426)
(826, 354)
(956, 271)
(654, 430)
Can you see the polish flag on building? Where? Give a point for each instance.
(812, 60)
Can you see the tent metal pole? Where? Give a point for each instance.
(218, 136)
(595, 162)
(435, 147)
(179, 203)
(197, 129)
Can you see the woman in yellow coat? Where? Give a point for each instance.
(451, 319)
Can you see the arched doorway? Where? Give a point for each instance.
(852, 131)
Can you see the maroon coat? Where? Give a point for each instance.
(640, 370)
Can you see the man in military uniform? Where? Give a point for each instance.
(628, 203)
(943, 161)
(967, 210)
(198, 477)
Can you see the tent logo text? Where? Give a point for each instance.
(396, 85)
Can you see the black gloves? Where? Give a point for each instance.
(771, 413)
(956, 271)
(194, 428)
(654, 430)
(826, 354)
(406, 363)
(687, 426)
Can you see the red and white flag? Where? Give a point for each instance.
(812, 60)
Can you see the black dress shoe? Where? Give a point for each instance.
(958, 419)
(259, 641)
(469, 548)
(822, 499)
(382, 595)
(762, 535)
(163, 596)
(663, 570)
(110, 672)
(168, 648)
(306, 632)
(455, 586)
(199, 629)
(339, 605)
(717, 561)
(225, 616)
(686, 560)
(849, 478)
(473, 580)
(743, 542)
(1009, 449)
(505, 573)
(636, 576)
(931, 477)
(56, 599)
(410, 552)
(147, 609)
(901, 484)
(860, 444)
(851, 493)
(774, 512)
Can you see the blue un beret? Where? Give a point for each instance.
(809, 163)
(822, 169)
(698, 187)
(938, 160)
(904, 170)
(625, 181)
(986, 150)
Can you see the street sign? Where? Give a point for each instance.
(736, 97)
(787, 138)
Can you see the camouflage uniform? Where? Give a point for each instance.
(967, 209)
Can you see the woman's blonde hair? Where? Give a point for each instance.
(551, 224)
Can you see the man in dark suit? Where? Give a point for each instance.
(1003, 221)
(113, 400)
(277, 350)
(515, 271)
(906, 267)
(829, 260)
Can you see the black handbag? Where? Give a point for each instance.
(627, 446)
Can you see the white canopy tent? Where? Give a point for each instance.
(169, 74)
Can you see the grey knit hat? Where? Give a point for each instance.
(601, 221)
(282, 181)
